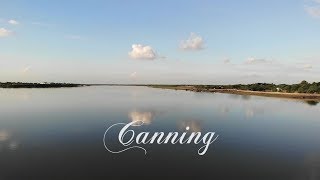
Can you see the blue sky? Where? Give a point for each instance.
(160, 41)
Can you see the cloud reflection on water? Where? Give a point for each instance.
(7, 141)
(194, 126)
(13, 145)
(4, 135)
(146, 117)
(253, 111)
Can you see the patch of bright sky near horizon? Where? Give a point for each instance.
(207, 42)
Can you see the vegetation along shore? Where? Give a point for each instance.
(303, 90)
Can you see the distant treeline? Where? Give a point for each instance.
(303, 87)
(37, 85)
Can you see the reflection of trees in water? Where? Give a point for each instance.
(245, 97)
(234, 96)
(312, 103)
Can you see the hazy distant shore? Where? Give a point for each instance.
(303, 96)
(38, 85)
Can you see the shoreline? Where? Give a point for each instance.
(299, 96)
(193, 88)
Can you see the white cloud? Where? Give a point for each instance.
(26, 69)
(133, 75)
(252, 60)
(13, 22)
(4, 32)
(142, 52)
(194, 42)
(313, 11)
(307, 67)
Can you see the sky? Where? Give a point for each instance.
(160, 42)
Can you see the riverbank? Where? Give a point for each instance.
(194, 88)
(302, 96)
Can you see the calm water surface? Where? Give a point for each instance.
(57, 134)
